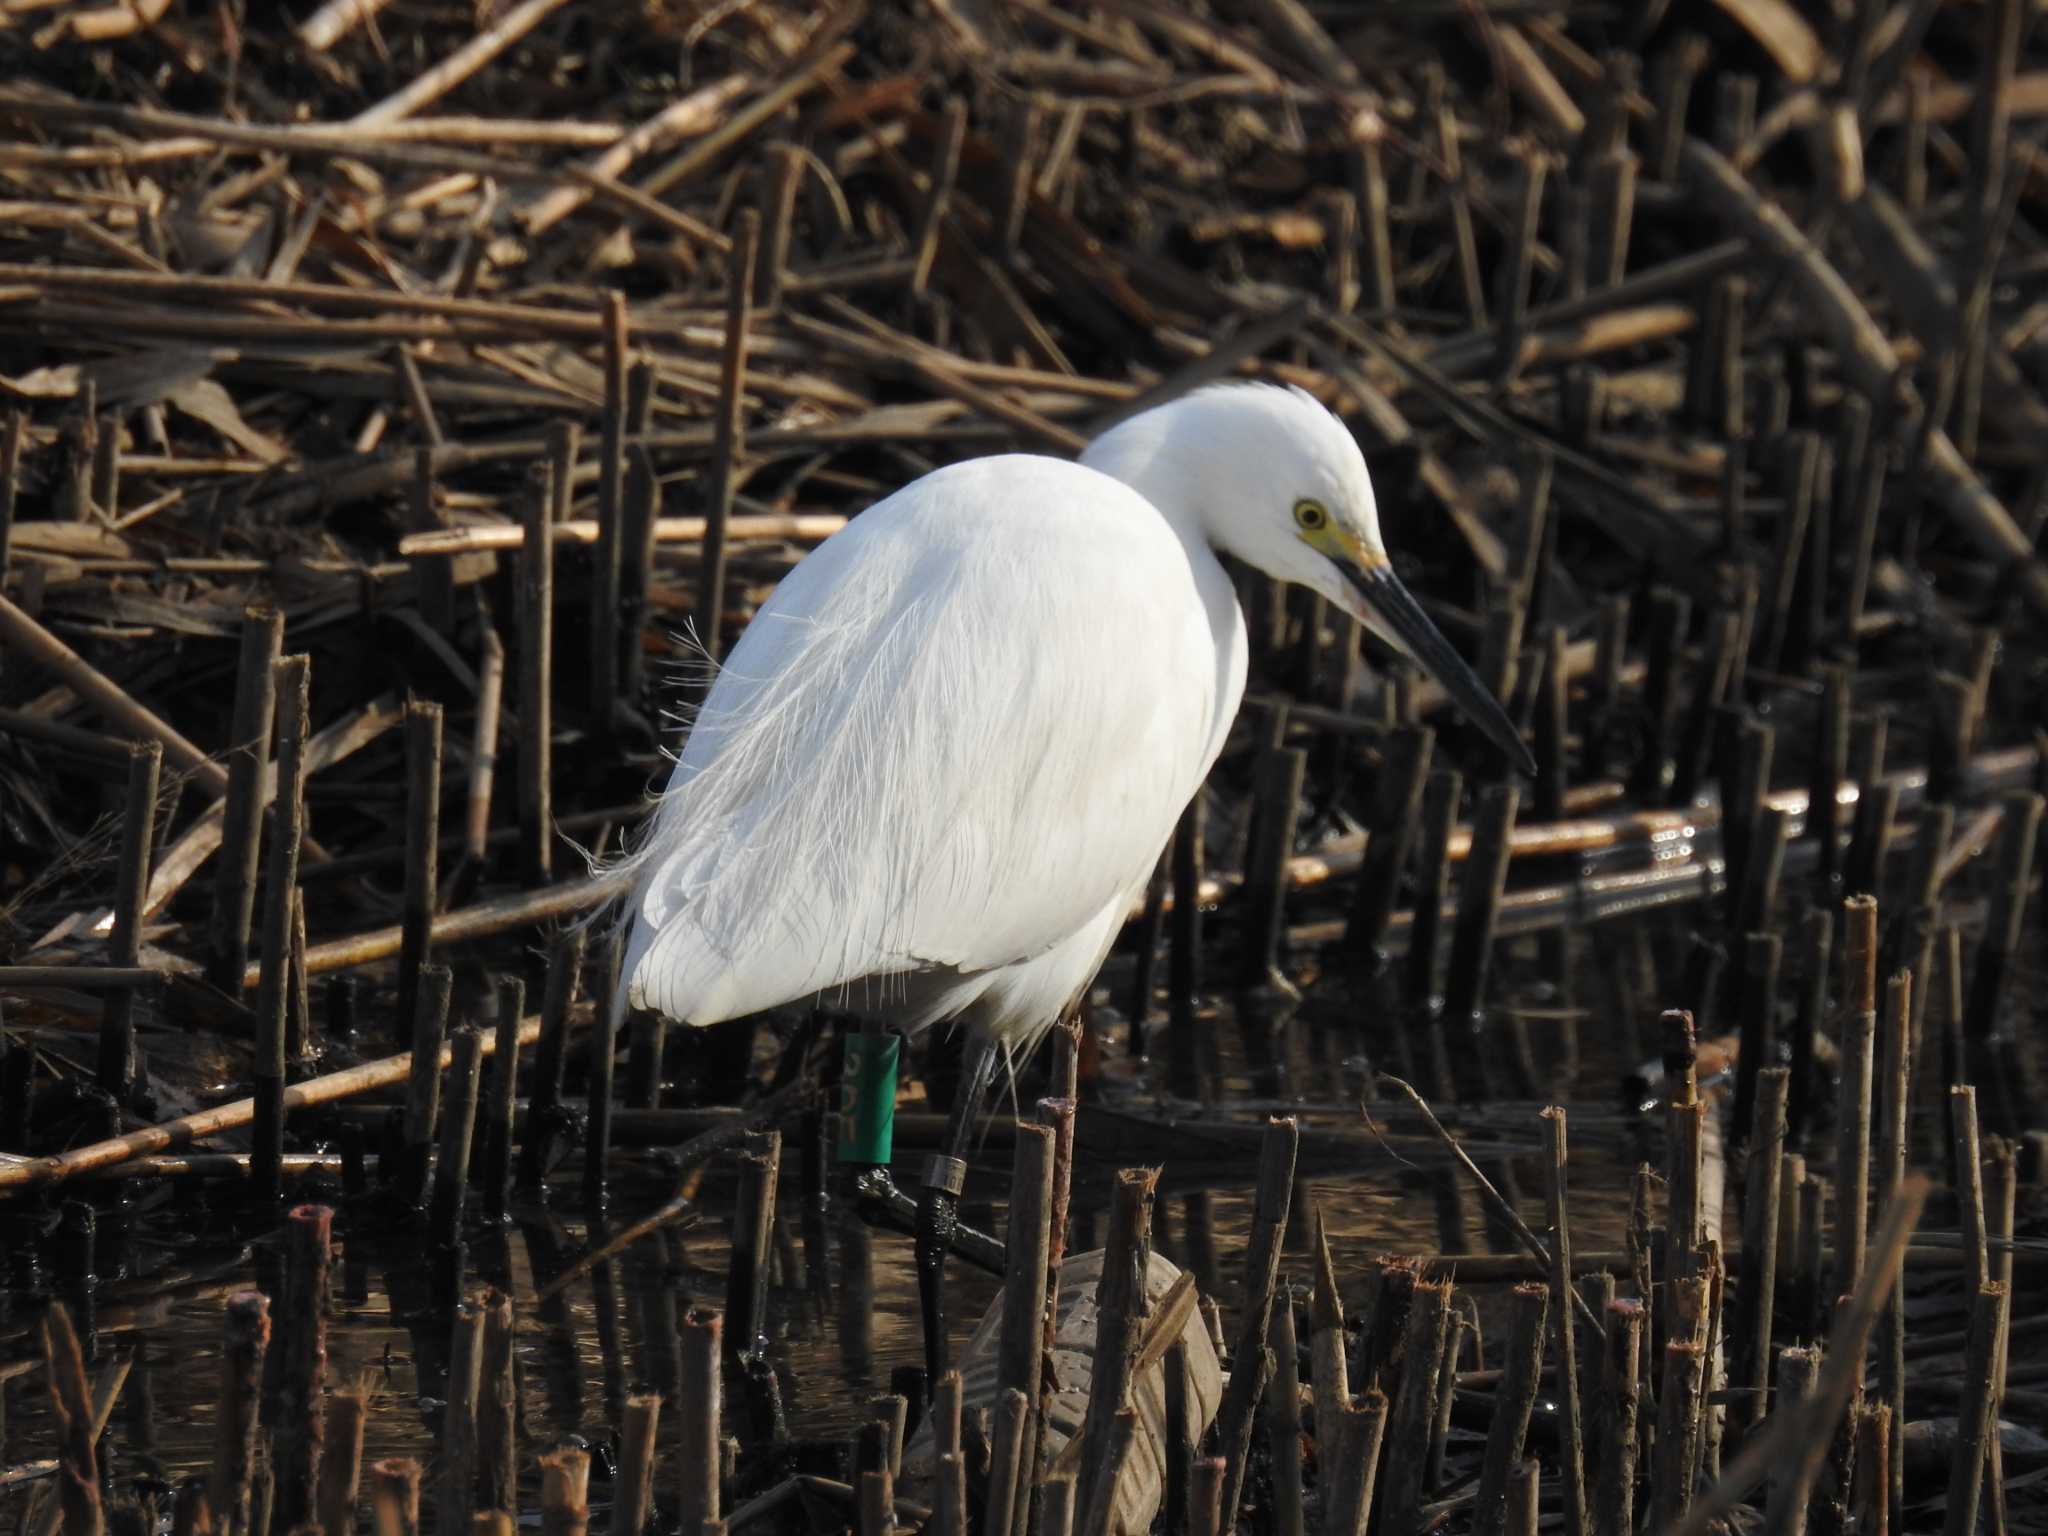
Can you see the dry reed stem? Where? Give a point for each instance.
(1799, 1432)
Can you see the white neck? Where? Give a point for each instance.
(1152, 458)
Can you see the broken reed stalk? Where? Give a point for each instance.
(1006, 1456)
(1761, 953)
(946, 1414)
(1021, 1346)
(423, 1087)
(422, 852)
(1401, 1510)
(456, 1500)
(1099, 1516)
(1679, 1402)
(1897, 1078)
(1404, 771)
(1144, 984)
(1707, 1460)
(298, 1037)
(634, 1500)
(1283, 1428)
(728, 435)
(1524, 1488)
(1274, 1192)
(536, 644)
(1329, 1363)
(876, 1510)
(1621, 1382)
(47, 1517)
(565, 1492)
(611, 493)
(458, 1131)
(949, 1499)
(1852, 1150)
(1121, 1302)
(1057, 1115)
(1480, 890)
(1647, 1268)
(436, 577)
(1803, 1435)
(550, 1057)
(190, 1515)
(1463, 1320)
(1514, 1402)
(1977, 1421)
(1205, 1497)
(597, 1145)
(1817, 945)
(1871, 1458)
(234, 889)
(1757, 1288)
(498, 1410)
(2001, 1200)
(697, 1416)
(1806, 1272)
(1601, 1288)
(1972, 1217)
(280, 881)
(753, 1234)
(301, 1423)
(341, 1461)
(1685, 1127)
(949, 1495)
(1996, 954)
(124, 945)
(1055, 1506)
(1440, 794)
(646, 1042)
(890, 1415)
(1282, 775)
(498, 1107)
(1969, 1182)
(78, 1480)
(1743, 799)
(395, 1497)
(1361, 1428)
(1569, 1405)
(245, 1340)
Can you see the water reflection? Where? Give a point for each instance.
(148, 1279)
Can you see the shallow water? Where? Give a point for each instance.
(170, 1253)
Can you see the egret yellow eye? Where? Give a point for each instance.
(1311, 516)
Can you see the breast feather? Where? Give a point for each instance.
(956, 731)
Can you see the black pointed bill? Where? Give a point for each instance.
(1397, 617)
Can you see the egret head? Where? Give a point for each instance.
(1270, 476)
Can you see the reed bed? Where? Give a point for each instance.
(384, 389)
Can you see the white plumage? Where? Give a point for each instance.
(944, 758)
(890, 798)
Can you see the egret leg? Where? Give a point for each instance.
(938, 1206)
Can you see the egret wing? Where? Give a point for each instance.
(954, 734)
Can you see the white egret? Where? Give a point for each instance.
(943, 759)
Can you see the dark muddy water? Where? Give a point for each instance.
(169, 1253)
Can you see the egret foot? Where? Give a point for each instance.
(880, 1203)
